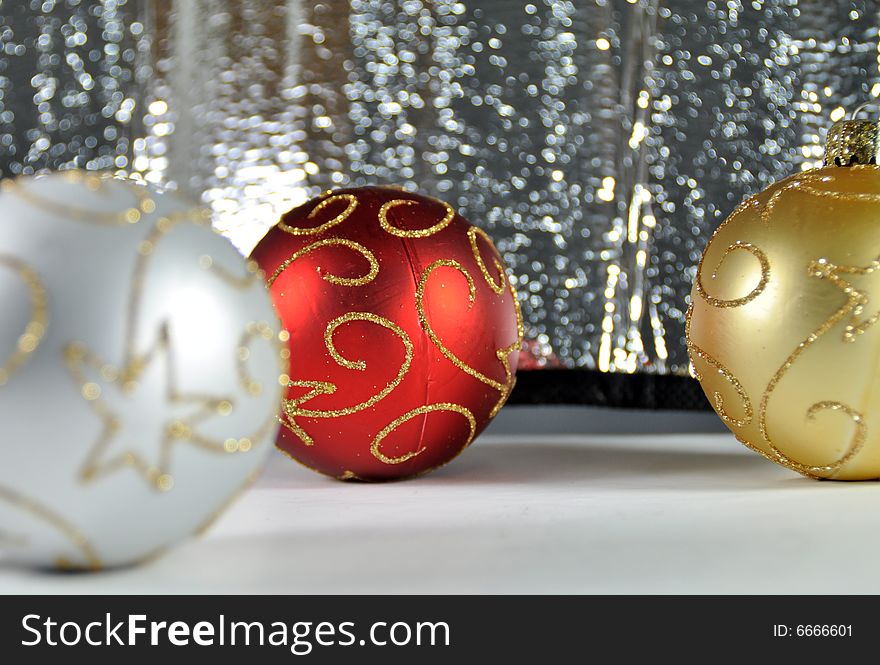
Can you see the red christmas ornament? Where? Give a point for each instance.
(404, 331)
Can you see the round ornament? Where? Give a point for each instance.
(140, 369)
(783, 327)
(403, 325)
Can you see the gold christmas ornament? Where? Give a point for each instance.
(783, 329)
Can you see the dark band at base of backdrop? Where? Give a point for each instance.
(592, 388)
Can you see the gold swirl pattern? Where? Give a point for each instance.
(351, 203)
(852, 308)
(754, 293)
(418, 233)
(35, 329)
(333, 279)
(503, 355)
(804, 183)
(293, 408)
(743, 207)
(717, 398)
(851, 312)
(698, 352)
(56, 521)
(497, 287)
(294, 427)
(858, 439)
(132, 214)
(795, 182)
(423, 318)
(770, 206)
(375, 447)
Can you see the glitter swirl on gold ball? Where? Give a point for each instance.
(782, 328)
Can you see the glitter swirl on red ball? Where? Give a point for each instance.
(404, 331)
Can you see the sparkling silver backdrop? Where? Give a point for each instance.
(598, 141)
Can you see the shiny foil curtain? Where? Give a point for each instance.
(599, 142)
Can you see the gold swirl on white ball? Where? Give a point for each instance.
(140, 366)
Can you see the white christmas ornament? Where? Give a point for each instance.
(140, 370)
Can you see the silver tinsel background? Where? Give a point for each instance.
(598, 141)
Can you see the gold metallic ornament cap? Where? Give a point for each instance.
(852, 142)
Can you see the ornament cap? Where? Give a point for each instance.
(852, 142)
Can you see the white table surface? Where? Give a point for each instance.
(692, 513)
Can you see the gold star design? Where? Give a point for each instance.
(117, 448)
